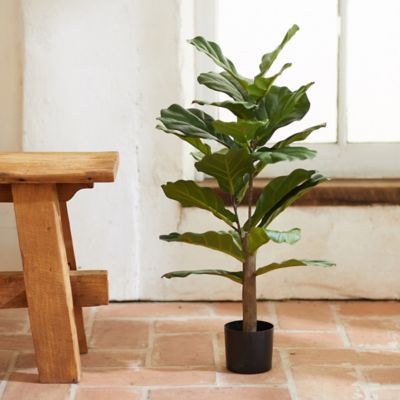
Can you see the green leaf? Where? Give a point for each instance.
(220, 241)
(241, 109)
(260, 236)
(212, 50)
(236, 276)
(293, 263)
(268, 59)
(191, 122)
(228, 169)
(189, 194)
(283, 107)
(297, 136)
(224, 83)
(271, 156)
(242, 131)
(279, 194)
(291, 197)
(177, 118)
(195, 142)
(262, 86)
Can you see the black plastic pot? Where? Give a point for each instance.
(248, 352)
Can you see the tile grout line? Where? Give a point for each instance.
(90, 323)
(289, 374)
(10, 369)
(340, 328)
(150, 346)
(274, 314)
(73, 391)
(362, 384)
(217, 358)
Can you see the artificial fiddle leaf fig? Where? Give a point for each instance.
(274, 155)
(224, 83)
(297, 137)
(212, 50)
(259, 236)
(261, 85)
(189, 194)
(242, 131)
(260, 108)
(228, 169)
(291, 197)
(293, 263)
(241, 109)
(268, 59)
(236, 276)
(194, 141)
(284, 107)
(190, 122)
(275, 193)
(221, 241)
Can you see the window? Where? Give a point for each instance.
(349, 48)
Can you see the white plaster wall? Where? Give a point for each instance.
(10, 117)
(96, 75)
(363, 241)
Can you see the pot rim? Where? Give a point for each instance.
(236, 326)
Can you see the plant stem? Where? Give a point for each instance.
(249, 296)
(239, 228)
(249, 293)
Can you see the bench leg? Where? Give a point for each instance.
(47, 284)
(69, 246)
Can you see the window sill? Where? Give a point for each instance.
(336, 192)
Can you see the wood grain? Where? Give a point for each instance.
(69, 247)
(66, 191)
(89, 288)
(47, 283)
(58, 167)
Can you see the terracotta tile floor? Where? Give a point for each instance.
(169, 351)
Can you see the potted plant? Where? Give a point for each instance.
(246, 148)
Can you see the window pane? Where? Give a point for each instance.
(373, 70)
(246, 30)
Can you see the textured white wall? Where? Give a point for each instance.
(363, 241)
(96, 75)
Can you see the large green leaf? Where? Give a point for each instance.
(191, 122)
(297, 136)
(212, 50)
(189, 194)
(242, 109)
(194, 141)
(261, 85)
(220, 241)
(179, 119)
(291, 197)
(276, 192)
(293, 263)
(228, 169)
(242, 131)
(236, 276)
(259, 236)
(223, 82)
(268, 59)
(271, 156)
(283, 107)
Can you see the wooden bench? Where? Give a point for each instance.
(39, 185)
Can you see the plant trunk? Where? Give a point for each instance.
(249, 294)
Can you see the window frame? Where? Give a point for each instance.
(342, 159)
